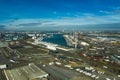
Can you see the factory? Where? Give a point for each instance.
(29, 72)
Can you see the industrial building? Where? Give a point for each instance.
(29, 72)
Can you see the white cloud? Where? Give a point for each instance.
(65, 21)
(105, 12)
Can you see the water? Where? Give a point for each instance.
(56, 39)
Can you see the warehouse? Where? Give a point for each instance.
(29, 72)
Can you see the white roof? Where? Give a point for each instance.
(24, 73)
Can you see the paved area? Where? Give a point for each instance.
(57, 73)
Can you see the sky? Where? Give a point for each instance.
(21, 14)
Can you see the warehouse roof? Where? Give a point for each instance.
(24, 73)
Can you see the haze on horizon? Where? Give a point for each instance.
(58, 14)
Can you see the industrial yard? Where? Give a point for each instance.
(81, 61)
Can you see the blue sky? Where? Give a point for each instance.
(58, 12)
